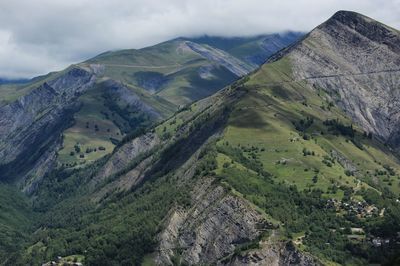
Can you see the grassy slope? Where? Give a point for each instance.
(187, 86)
(265, 119)
(262, 129)
(84, 134)
(170, 59)
(175, 64)
(95, 112)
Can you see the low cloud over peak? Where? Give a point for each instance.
(38, 36)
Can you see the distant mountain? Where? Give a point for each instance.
(185, 69)
(13, 81)
(252, 50)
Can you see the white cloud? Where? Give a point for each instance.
(37, 36)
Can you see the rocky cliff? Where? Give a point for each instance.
(210, 231)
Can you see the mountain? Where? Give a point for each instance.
(71, 118)
(13, 81)
(278, 168)
(188, 69)
(252, 50)
(356, 60)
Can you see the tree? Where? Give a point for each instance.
(77, 148)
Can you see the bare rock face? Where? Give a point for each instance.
(119, 91)
(234, 65)
(357, 61)
(46, 162)
(34, 122)
(210, 231)
(127, 153)
(274, 254)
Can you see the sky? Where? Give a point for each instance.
(39, 36)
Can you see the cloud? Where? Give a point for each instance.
(38, 36)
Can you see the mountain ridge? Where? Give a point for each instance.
(131, 89)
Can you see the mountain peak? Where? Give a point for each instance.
(354, 21)
(347, 17)
(362, 26)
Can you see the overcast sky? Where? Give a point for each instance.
(38, 36)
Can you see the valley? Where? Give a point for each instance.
(211, 151)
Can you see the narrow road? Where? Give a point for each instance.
(142, 66)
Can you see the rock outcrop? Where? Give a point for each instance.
(216, 227)
(274, 254)
(234, 65)
(126, 154)
(211, 229)
(119, 91)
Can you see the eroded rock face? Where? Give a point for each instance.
(357, 61)
(118, 90)
(234, 65)
(211, 230)
(34, 122)
(218, 223)
(126, 154)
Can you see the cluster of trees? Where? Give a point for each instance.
(237, 154)
(307, 152)
(16, 221)
(133, 118)
(328, 161)
(77, 150)
(337, 128)
(304, 124)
